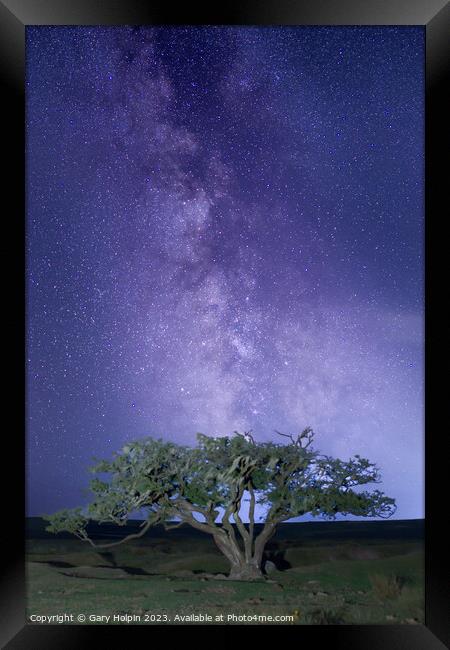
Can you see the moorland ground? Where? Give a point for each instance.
(317, 573)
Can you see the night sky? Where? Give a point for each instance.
(224, 231)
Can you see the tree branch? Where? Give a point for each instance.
(172, 526)
(251, 515)
(149, 523)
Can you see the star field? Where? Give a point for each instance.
(224, 231)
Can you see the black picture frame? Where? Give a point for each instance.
(15, 15)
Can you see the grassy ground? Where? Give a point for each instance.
(323, 581)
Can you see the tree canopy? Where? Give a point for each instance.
(205, 486)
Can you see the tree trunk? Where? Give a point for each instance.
(241, 568)
(246, 571)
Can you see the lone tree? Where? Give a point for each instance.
(205, 486)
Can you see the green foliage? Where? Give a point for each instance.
(71, 521)
(173, 481)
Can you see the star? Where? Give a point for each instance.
(226, 240)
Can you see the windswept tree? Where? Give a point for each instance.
(205, 486)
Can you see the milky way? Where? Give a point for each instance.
(224, 231)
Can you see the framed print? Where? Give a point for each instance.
(224, 244)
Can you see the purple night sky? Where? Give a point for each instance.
(225, 230)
